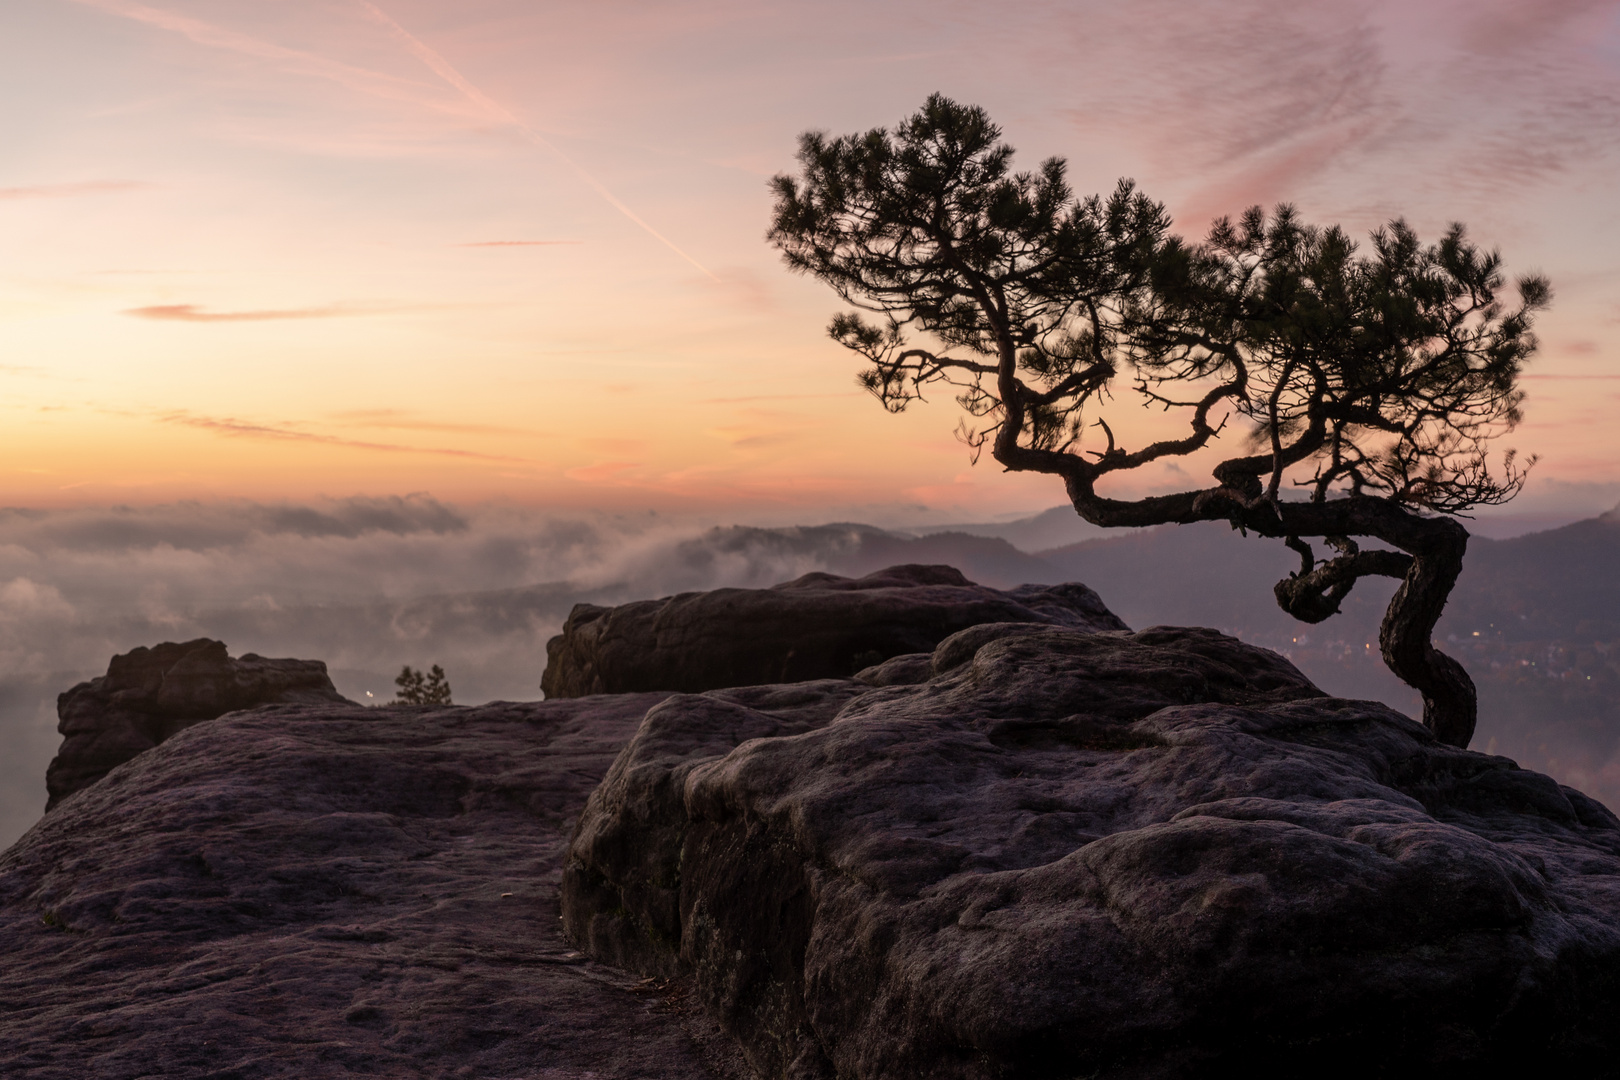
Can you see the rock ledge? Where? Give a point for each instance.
(1051, 853)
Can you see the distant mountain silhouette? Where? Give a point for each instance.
(1204, 574)
(1051, 528)
(1563, 583)
(755, 557)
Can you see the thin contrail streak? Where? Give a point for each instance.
(442, 68)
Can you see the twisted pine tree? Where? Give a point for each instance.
(1368, 382)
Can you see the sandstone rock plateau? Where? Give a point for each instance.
(149, 694)
(306, 891)
(1041, 852)
(817, 626)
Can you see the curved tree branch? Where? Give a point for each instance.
(1315, 595)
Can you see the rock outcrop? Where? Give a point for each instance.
(317, 891)
(1051, 853)
(149, 694)
(817, 626)
(1042, 846)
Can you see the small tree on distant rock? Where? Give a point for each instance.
(1373, 382)
(416, 688)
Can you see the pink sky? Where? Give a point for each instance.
(515, 251)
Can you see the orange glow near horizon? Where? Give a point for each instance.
(498, 253)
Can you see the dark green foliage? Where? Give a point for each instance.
(415, 688)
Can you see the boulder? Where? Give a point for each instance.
(149, 694)
(1052, 853)
(328, 890)
(816, 626)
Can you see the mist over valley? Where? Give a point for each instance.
(369, 585)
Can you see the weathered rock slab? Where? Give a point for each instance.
(311, 891)
(1162, 854)
(149, 694)
(814, 627)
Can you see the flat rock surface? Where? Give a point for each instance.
(1048, 853)
(815, 627)
(311, 891)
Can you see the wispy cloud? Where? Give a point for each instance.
(501, 114)
(402, 421)
(192, 313)
(67, 191)
(248, 429)
(1255, 115)
(602, 472)
(776, 397)
(379, 83)
(519, 243)
(217, 37)
(1502, 28)
(1276, 99)
(750, 438)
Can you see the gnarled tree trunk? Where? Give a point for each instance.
(1406, 638)
(1433, 557)
(1428, 562)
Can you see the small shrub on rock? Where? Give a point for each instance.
(415, 688)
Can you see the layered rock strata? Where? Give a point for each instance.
(1041, 852)
(816, 626)
(320, 891)
(149, 694)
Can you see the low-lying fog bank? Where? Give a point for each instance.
(369, 585)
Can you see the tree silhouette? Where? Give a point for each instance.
(1363, 387)
(416, 688)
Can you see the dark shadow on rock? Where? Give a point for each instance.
(1056, 853)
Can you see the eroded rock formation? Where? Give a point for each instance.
(814, 627)
(1051, 853)
(149, 694)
